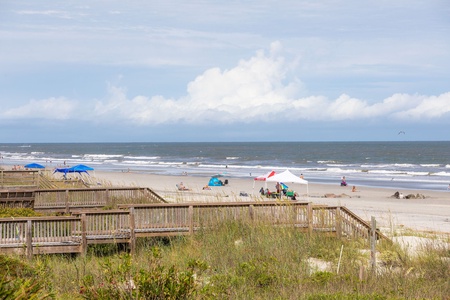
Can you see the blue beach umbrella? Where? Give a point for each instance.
(283, 186)
(75, 169)
(34, 166)
(82, 168)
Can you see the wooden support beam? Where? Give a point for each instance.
(132, 232)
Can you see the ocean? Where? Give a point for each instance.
(402, 165)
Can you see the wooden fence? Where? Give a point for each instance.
(73, 234)
(19, 179)
(17, 199)
(68, 200)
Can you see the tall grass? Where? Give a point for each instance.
(243, 260)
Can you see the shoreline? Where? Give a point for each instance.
(431, 214)
(395, 181)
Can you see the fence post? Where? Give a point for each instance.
(250, 211)
(310, 217)
(83, 235)
(191, 219)
(338, 222)
(67, 201)
(29, 240)
(107, 197)
(132, 232)
(373, 241)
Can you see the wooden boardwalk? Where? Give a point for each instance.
(17, 199)
(39, 235)
(75, 199)
(10, 179)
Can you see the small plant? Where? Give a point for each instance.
(322, 277)
(121, 279)
(7, 212)
(257, 272)
(22, 281)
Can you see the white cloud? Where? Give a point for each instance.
(255, 91)
(260, 89)
(52, 108)
(428, 107)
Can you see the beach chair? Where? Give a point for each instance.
(291, 194)
(181, 187)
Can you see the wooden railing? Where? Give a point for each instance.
(40, 235)
(67, 200)
(46, 183)
(17, 199)
(19, 179)
(73, 234)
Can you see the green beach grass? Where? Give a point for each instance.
(235, 260)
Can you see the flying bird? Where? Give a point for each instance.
(401, 132)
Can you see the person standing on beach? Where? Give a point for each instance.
(343, 181)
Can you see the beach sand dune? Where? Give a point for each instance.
(429, 214)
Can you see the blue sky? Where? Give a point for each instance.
(123, 71)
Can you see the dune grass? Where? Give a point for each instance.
(240, 260)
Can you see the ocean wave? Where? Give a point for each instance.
(21, 157)
(341, 171)
(430, 165)
(101, 156)
(142, 157)
(211, 166)
(338, 165)
(137, 162)
(445, 174)
(387, 172)
(327, 162)
(405, 165)
(369, 166)
(232, 157)
(110, 161)
(171, 163)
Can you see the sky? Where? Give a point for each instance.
(224, 71)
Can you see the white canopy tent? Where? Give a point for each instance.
(263, 178)
(288, 177)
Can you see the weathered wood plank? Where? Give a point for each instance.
(72, 234)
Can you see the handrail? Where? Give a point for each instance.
(19, 178)
(379, 234)
(81, 198)
(73, 234)
(76, 198)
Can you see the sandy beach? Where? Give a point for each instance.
(431, 214)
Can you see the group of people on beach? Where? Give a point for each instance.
(18, 167)
(344, 183)
(280, 190)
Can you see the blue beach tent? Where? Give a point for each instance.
(82, 168)
(34, 166)
(215, 181)
(75, 169)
